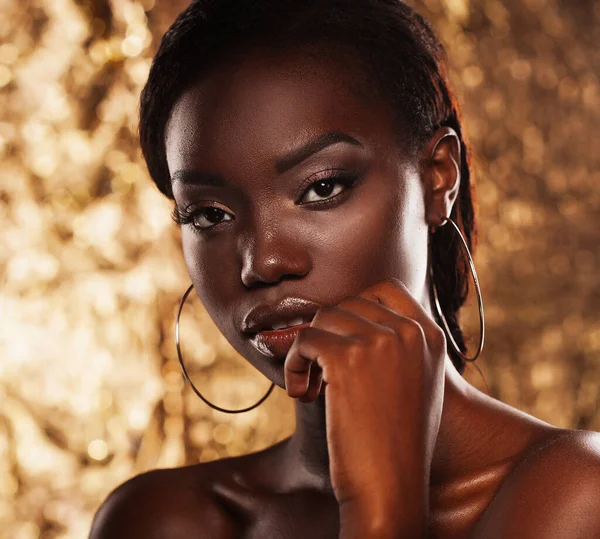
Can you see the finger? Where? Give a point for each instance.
(409, 325)
(314, 384)
(310, 346)
(341, 321)
(371, 310)
(394, 295)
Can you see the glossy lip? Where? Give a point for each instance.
(276, 343)
(264, 316)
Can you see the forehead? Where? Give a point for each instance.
(261, 104)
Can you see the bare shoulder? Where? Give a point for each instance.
(553, 493)
(164, 504)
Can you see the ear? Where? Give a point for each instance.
(440, 170)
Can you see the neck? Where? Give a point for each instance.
(308, 444)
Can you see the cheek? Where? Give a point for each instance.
(211, 277)
(384, 235)
(194, 261)
(355, 243)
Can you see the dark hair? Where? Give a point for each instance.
(400, 54)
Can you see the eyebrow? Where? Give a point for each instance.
(312, 147)
(283, 164)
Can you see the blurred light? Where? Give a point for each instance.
(568, 89)
(222, 434)
(97, 449)
(8, 53)
(201, 433)
(5, 76)
(543, 375)
(138, 418)
(208, 454)
(174, 426)
(520, 69)
(28, 530)
(472, 76)
(133, 12)
(132, 46)
(458, 8)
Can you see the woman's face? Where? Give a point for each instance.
(260, 232)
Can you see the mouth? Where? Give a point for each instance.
(276, 343)
(272, 327)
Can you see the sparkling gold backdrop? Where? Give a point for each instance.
(92, 270)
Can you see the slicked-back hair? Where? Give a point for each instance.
(402, 61)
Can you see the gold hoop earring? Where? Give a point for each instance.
(479, 300)
(187, 377)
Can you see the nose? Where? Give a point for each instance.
(271, 256)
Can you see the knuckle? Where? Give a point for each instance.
(376, 288)
(389, 284)
(324, 313)
(412, 331)
(438, 339)
(386, 338)
(355, 352)
(303, 335)
(350, 301)
(388, 287)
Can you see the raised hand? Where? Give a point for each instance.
(379, 359)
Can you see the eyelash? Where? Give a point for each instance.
(185, 216)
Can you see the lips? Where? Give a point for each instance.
(259, 323)
(276, 343)
(268, 316)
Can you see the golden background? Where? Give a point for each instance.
(90, 388)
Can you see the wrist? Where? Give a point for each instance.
(357, 527)
(367, 522)
(395, 517)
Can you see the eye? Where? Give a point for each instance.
(201, 218)
(325, 188)
(208, 217)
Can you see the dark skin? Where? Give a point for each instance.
(390, 440)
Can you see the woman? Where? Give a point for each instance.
(315, 154)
